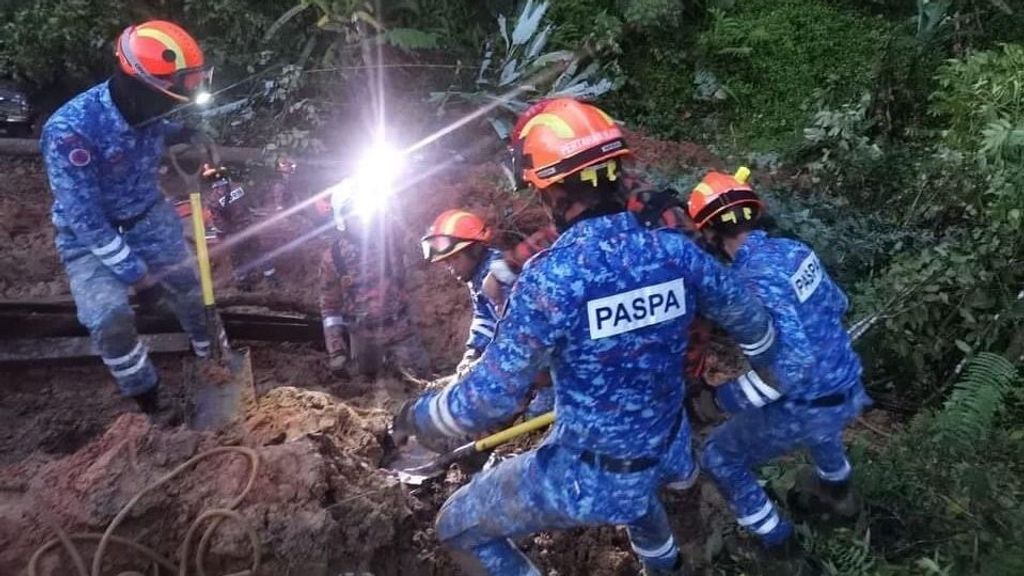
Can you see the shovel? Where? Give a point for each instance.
(220, 390)
(411, 469)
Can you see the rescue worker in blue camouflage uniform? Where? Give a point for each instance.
(460, 240)
(115, 230)
(606, 308)
(818, 389)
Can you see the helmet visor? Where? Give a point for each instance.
(182, 85)
(438, 247)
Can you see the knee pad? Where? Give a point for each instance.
(116, 335)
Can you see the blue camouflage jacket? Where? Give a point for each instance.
(485, 313)
(815, 357)
(102, 172)
(607, 308)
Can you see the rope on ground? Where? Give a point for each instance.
(216, 515)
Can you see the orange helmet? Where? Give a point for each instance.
(525, 117)
(562, 138)
(451, 232)
(717, 197)
(164, 57)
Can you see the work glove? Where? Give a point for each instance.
(470, 358)
(403, 426)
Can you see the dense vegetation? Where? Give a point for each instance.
(893, 129)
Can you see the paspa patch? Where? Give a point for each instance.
(628, 311)
(807, 278)
(79, 157)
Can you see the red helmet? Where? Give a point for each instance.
(451, 232)
(164, 57)
(724, 199)
(562, 138)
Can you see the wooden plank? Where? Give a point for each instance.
(34, 350)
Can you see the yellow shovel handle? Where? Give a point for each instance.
(202, 253)
(500, 438)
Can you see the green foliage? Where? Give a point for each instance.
(952, 479)
(517, 68)
(971, 275)
(49, 40)
(984, 88)
(652, 13)
(840, 140)
(773, 55)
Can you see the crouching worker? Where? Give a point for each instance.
(115, 230)
(363, 299)
(818, 389)
(606, 307)
(460, 240)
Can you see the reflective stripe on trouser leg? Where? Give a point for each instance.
(731, 451)
(124, 355)
(766, 523)
(102, 307)
(829, 455)
(652, 540)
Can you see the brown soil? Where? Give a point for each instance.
(72, 452)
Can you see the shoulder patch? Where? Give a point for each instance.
(628, 311)
(79, 157)
(807, 277)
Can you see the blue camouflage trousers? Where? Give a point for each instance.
(757, 435)
(549, 488)
(102, 299)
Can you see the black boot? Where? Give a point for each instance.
(149, 401)
(814, 498)
(161, 411)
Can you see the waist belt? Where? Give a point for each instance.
(830, 401)
(626, 466)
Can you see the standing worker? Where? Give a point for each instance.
(606, 307)
(363, 297)
(115, 230)
(818, 391)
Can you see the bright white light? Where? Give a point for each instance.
(374, 178)
(204, 98)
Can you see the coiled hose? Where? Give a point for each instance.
(216, 515)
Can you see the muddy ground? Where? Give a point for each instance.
(73, 453)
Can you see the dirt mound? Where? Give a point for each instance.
(669, 156)
(317, 502)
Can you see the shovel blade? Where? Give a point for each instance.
(415, 464)
(219, 392)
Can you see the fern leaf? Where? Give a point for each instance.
(968, 415)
